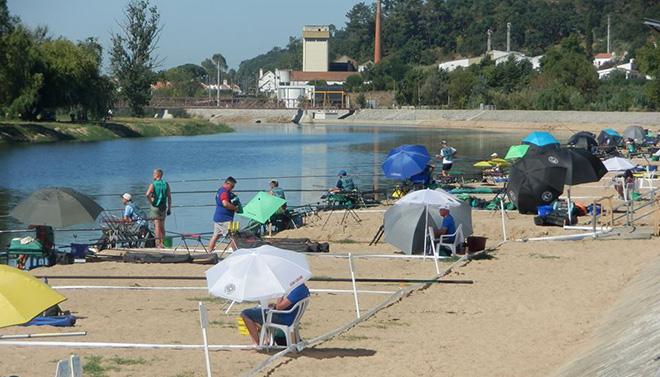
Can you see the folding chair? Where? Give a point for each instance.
(294, 328)
(445, 240)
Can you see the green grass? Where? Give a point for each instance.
(543, 256)
(347, 240)
(93, 367)
(40, 132)
(225, 324)
(121, 361)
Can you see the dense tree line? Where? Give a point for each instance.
(418, 34)
(39, 74)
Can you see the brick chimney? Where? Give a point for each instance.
(377, 43)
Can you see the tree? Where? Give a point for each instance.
(185, 79)
(648, 58)
(132, 58)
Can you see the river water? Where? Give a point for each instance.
(304, 159)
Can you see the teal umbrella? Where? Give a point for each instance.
(262, 207)
(516, 151)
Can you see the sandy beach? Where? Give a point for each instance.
(534, 308)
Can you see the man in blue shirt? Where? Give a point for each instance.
(448, 226)
(133, 213)
(253, 317)
(345, 183)
(224, 211)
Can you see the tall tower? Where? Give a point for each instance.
(377, 43)
(315, 48)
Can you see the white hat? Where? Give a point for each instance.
(274, 181)
(493, 155)
(443, 206)
(127, 196)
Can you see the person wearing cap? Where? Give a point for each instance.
(345, 183)
(448, 225)
(495, 168)
(133, 213)
(224, 211)
(275, 189)
(447, 154)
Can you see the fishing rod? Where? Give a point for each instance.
(270, 177)
(325, 279)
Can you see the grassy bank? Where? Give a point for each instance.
(39, 132)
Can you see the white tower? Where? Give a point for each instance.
(315, 48)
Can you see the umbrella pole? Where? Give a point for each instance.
(426, 229)
(503, 224)
(351, 265)
(204, 321)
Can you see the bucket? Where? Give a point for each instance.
(79, 250)
(475, 243)
(167, 241)
(655, 158)
(544, 210)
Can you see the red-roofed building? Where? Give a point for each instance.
(603, 58)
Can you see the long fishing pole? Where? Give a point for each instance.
(325, 279)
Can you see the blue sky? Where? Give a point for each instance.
(193, 29)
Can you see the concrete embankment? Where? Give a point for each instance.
(628, 341)
(479, 119)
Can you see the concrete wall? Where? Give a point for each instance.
(627, 344)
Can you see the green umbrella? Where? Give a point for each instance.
(516, 151)
(262, 207)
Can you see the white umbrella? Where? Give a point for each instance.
(428, 198)
(258, 274)
(618, 164)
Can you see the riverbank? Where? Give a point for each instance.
(43, 132)
(493, 120)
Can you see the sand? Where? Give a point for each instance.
(532, 307)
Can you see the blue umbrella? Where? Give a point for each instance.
(410, 148)
(405, 161)
(540, 139)
(612, 132)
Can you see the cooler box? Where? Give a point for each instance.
(33, 248)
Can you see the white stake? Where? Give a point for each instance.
(204, 321)
(352, 267)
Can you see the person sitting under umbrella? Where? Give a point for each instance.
(626, 187)
(448, 226)
(254, 317)
(495, 168)
(423, 179)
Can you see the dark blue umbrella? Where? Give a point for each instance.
(540, 139)
(406, 161)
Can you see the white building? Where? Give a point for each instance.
(497, 56)
(629, 69)
(603, 58)
(267, 82)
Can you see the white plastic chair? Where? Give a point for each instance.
(293, 328)
(443, 240)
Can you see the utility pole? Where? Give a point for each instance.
(508, 37)
(608, 34)
(218, 99)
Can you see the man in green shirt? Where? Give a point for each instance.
(160, 197)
